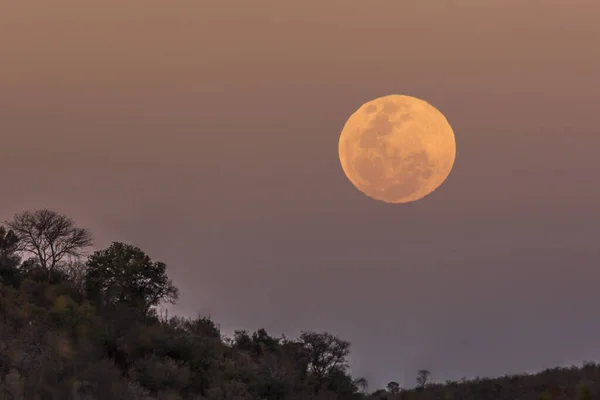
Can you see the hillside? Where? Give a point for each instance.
(86, 327)
(576, 382)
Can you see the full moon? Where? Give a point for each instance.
(397, 149)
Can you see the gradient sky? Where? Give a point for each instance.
(206, 133)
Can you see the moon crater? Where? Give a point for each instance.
(397, 149)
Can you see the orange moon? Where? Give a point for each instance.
(397, 149)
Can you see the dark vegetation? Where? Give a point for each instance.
(77, 327)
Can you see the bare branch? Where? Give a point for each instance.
(49, 236)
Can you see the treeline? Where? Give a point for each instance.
(85, 327)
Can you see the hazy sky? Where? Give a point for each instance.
(206, 133)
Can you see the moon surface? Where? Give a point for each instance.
(397, 149)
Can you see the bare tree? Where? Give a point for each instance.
(49, 236)
(422, 377)
(75, 269)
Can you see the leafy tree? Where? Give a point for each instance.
(361, 383)
(123, 274)
(49, 236)
(9, 260)
(9, 243)
(201, 326)
(393, 387)
(327, 354)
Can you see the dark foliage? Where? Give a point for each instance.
(90, 330)
(124, 275)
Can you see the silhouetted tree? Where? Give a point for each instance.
(8, 246)
(327, 354)
(393, 387)
(361, 383)
(422, 377)
(49, 236)
(124, 274)
(9, 260)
